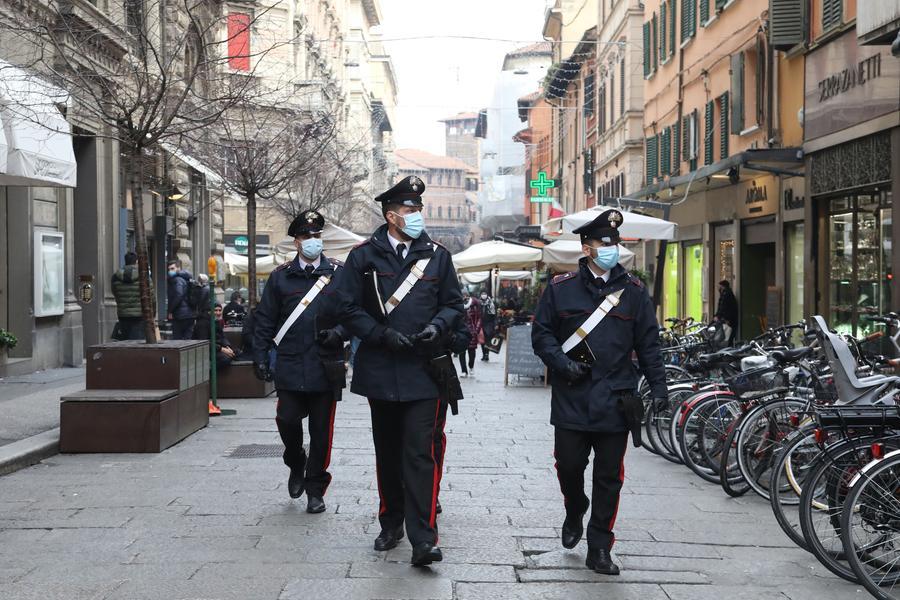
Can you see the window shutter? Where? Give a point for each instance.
(676, 148)
(622, 86)
(832, 13)
(589, 94)
(704, 12)
(655, 40)
(695, 138)
(652, 158)
(692, 5)
(685, 22)
(723, 125)
(665, 166)
(662, 32)
(673, 24)
(708, 133)
(760, 82)
(720, 4)
(239, 41)
(686, 137)
(647, 49)
(786, 23)
(737, 93)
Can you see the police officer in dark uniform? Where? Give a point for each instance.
(306, 386)
(391, 366)
(590, 399)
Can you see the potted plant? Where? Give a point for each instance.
(7, 342)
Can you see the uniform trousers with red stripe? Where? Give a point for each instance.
(319, 407)
(408, 464)
(572, 451)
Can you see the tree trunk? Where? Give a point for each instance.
(135, 183)
(251, 250)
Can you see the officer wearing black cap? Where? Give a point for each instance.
(401, 296)
(305, 349)
(599, 311)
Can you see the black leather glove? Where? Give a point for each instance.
(395, 340)
(330, 339)
(262, 371)
(427, 336)
(575, 371)
(660, 405)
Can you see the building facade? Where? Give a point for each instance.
(459, 138)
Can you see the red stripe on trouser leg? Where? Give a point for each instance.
(556, 468)
(437, 471)
(612, 522)
(328, 443)
(382, 506)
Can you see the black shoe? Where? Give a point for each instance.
(388, 538)
(484, 359)
(601, 562)
(315, 504)
(572, 530)
(424, 554)
(437, 507)
(296, 483)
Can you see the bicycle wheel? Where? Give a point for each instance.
(657, 425)
(678, 418)
(871, 522)
(703, 434)
(766, 426)
(791, 466)
(730, 478)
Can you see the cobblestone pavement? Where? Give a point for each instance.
(193, 523)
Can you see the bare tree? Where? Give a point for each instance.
(263, 150)
(155, 72)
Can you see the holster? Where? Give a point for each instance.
(632, 409)
(336, 374)
(443, 372)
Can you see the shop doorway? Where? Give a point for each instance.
(757, 276)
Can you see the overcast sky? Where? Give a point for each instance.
(439, 77)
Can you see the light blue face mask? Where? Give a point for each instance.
(607, 257)
(414, 224)
(311, 248)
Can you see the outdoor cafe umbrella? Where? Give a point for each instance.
(634, 225)
(562, 256)
(496, 254)
(474, 277)
(336, 242)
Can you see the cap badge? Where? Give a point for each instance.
(615, 219)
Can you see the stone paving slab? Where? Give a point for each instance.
(191, 523)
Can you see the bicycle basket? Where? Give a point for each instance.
(757, 380)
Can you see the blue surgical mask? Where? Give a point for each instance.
(311, 248)
(414, 224)
(173, 273)
(607, 257)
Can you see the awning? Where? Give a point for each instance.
(482, 276)
(212, 178)
(496, 255)
(337, 243)
(562, 256)
(237, 264)
(38, 138)
(778, 161)
(634, 225)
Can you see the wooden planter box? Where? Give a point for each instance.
(135, 365)
(237, 380)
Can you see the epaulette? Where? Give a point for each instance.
(283, 266)
(335, 262)
(436, 243)
(564, 277)
(635, 280)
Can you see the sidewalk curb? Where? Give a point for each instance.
(29, 451)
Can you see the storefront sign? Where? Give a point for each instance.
(847, 84)
(759, 197)
(241, 244)
(86, 289)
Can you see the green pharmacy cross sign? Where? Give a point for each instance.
(542, 184)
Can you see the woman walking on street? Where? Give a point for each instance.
(488, 321)
(472, 316)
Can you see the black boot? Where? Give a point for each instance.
(296, 483)
(572, 529)
(315, 504)
(437, 507)
(424, 554)
(388, 538)
(601, 562)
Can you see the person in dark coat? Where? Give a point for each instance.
(235, 311)
(305, 384)
(586, 393)
(225, 354)
(489, 323)
(390, 368)
(127, 291)
(727, 310)
(472, 320)
(180, 312)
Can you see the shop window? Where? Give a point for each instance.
(671, 283)
(794, 270)
(693, 281)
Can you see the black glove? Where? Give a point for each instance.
(660, 405)
(330, 339)
(395, 340)
(426, 336)
(575, 371)
(262, 371)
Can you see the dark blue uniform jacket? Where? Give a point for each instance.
(298, 365)
(379, 373)
(591, 404)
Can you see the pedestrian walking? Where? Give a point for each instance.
(180, 312)
(594, 381)
(727, 311)
(127, 291)
(473, 323)
(488, 323)
(295, 314)
(400, 295)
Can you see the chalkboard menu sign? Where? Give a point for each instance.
(520, 357)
